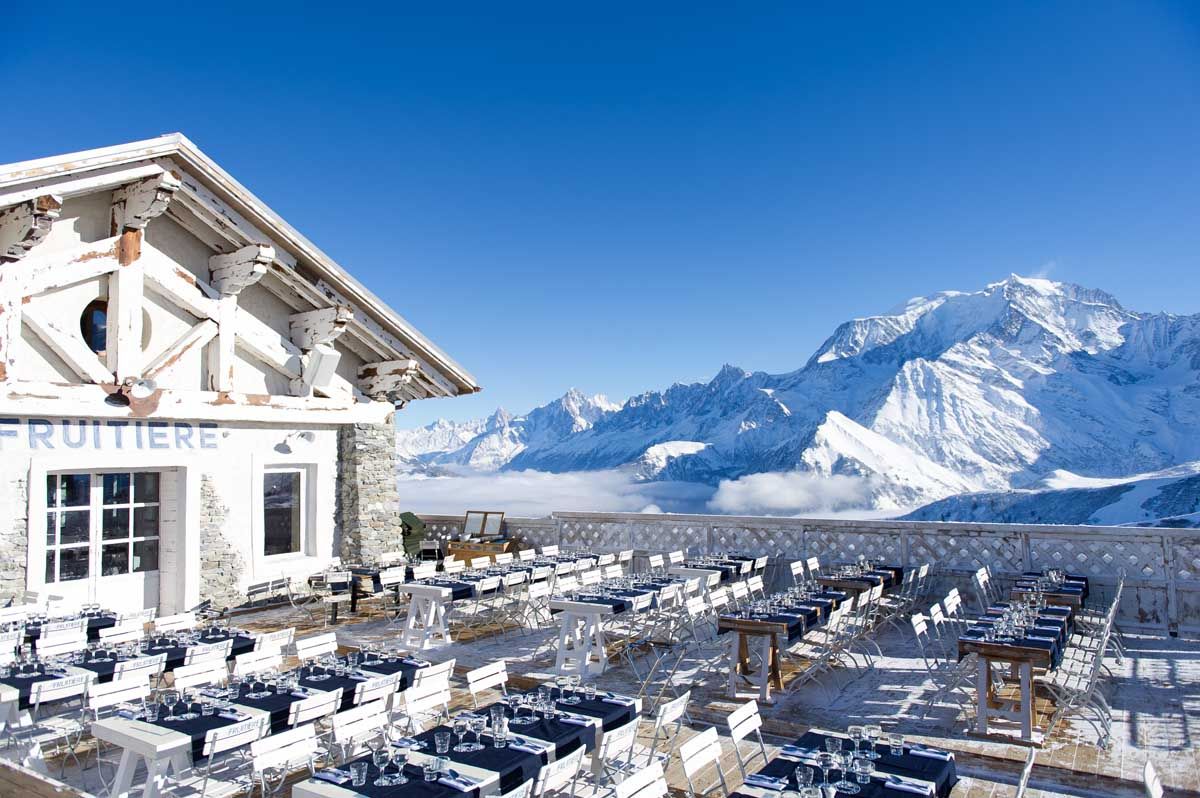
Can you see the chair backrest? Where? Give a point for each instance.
(486, 677)
(565, 567)
(125, 632)
(377, 688)
(744, 720)
(102, 695)
(549, 551)
(359, 721)
(625, 556)
(393, 576)
(425, 570)
(796, 567)
(538, 590)
(275, 642)
(437, 674)
(503, 558)
(454, 566)
(656, 562)
(391, 557)
(514, 578)
(675, 557)
(10, 640)
(61, 644)
(57, 631)
(557, 775)
(141, 667)
(739, 591)
(813, 564)
(1151, 781)
(175, 623)
(59, 689)
(15, 614)
(205, 672)
(613, 571)
(592, 577)
(699, 751)
(606, 559)
(647, 782)
(755, 583)
(525, 555)
(522, 790)
(230, 738)
(256, 662)
(285, 750)
(204, 652)
(308, 648)
(479, 562)
(566, 584)
(718, 599)
(617, 744)
(671, 711)
(321, 705)
(760, 563)
(425, 699)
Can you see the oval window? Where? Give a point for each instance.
(94, 325)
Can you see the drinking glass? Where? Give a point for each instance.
(573, 682)
(589, 691)
(500, 731)
(896, 741)
(863, 768)
(825, 762)
(873, 733)
(399, 759)
(152, 712)
(478, 724)
(207, 709)
(358, 773)
(522, 701)
(833, 745)
(804, 777)
(460, 727)
(380, 757)
(845, 762)
(810, 792)
(855, 733)
(170, 698)
(441, 742)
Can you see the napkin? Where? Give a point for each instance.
(334, 775)
(765, 782)
(420, 663)
(458, 781)
(212, 693)
(233, 714)
(933, 753)
(576, 719)
(619, 699)
(894, 782)
(301, 694)
(795, 750)
(128, 714)
(528, 746)
(405, 742)
(358, 677)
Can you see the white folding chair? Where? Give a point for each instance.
(525, 555)
(698, 753)
(647, 782)
(205, 652)
(61, 630)
(422, 701)
(549, 551)
(310, 648)
(256, 662)
(438, 673)
(202, 674)
(377, 688)
(314, 708)
(275, 757)
(352, 727)
(146, 668)
(559, 776)
(221, 743)
(668, 714)
(106, 699)
(742, 722)
(62, 644)
(614, 756)
(487, 677)
(175, 623)
(59, 732)
(275, 641)
(125, 632)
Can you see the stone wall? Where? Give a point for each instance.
(368, 516)
(14, 537)
(221, 566)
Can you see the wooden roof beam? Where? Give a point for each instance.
(24, 225)
(388, 380)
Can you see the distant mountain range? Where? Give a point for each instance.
(1014, 394)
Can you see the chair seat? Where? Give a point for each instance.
(336, 598)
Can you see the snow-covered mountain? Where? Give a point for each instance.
(958, 392)
(487, 444)
(1163, 498)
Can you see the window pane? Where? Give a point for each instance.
(51, 528)
(73, 489)
(145, 555)
(73, 526)
(51, 490)
(281, 512)
(145, 487)
(116, 488)
(73, 564)
(145, 522)
(50, 555)
(115, 523)
(114, 560)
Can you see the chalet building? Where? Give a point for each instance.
(193, 397)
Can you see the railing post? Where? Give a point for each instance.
(1173, 617)
(1026, 551)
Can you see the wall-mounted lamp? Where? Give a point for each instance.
(302, 437)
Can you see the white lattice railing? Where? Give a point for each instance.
(1162, 566)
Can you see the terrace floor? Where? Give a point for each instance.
(1155, 696)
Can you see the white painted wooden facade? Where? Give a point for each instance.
(228, 336)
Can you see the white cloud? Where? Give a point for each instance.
(791, 493)
(534, 494)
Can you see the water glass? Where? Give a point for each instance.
(804, 777)
(589, 691)
(429, 769)
(207, 709)
(152, 712)
(358, 773)
(873, 733)
(863, 768)
(500, 731)
(896, 741)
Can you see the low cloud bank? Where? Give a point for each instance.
(792, 493)
(533, 494)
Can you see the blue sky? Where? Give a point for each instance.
(618, 198)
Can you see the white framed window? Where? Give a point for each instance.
(285, 511)
(101, 524)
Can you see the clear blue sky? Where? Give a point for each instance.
(620, 196)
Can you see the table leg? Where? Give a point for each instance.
(764, 673)
(123, 780)
(1026, 701)
(983, 685)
